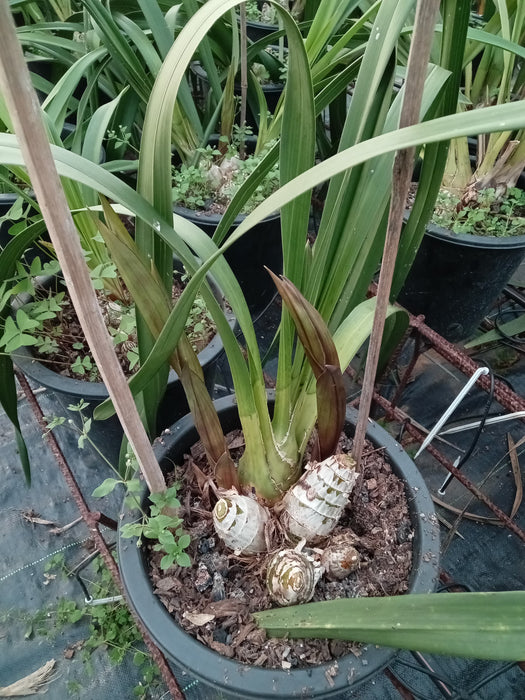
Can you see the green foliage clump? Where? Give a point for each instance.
(164, 526)
(39, 322)
(212, 183)
(488, 215)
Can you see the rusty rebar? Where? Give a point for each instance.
(92, 521)
(502, 393)
(408, 371)
(467, 483)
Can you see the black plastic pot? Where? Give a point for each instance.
(260, 30)
(229, 678)
(107, 434)
(272, 92)
(7, 199)
(456, 278)
(247, 257)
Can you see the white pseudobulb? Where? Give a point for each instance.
(313, 506)
(240, 522)
(292, 576)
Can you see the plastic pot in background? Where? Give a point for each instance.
(260, 30)
(260, 246)
(272, 92)
(457, 277)
(228, 678)
(107, 434)
(8, 199)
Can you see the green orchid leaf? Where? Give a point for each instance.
(209, 428)
(9, 257)
(471, 625)
(311, 328)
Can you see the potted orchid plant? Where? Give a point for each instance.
(326, 316)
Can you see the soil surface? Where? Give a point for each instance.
(214, 598)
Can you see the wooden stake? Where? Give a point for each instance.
(25, 113)
(403, 166)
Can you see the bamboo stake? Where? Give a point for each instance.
(25, 113)
(402, 174)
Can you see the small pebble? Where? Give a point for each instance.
(203, 580)
(207, 544)
(220, 635)
(217, 590)
(216, 563)
(238, 593)
(403, 532)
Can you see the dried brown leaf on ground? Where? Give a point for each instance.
(514, 462)
(35, 519)
(32, 684)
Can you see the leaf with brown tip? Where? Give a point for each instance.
(310, 325)
(324, 360)
(209, 428)
(331, 409)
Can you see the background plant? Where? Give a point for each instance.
(487, 216)
(493, 74)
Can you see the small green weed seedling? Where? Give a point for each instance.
(489, 215)
(110, 626)
(159, 524)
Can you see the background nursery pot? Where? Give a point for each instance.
(107, 434)
(456, 277)
(243, 681)
(247, 257)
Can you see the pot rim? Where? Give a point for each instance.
(242, 680)
(472, 240)
(214, 219)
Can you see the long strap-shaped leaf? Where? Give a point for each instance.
(155, 304)
(23, 106)
(8, 395)
(72, 165)
(472, 625)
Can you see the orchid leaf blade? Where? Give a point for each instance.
(472, 625)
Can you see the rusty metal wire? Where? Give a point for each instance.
(93, 520)
(502, 394)
(419, 436)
